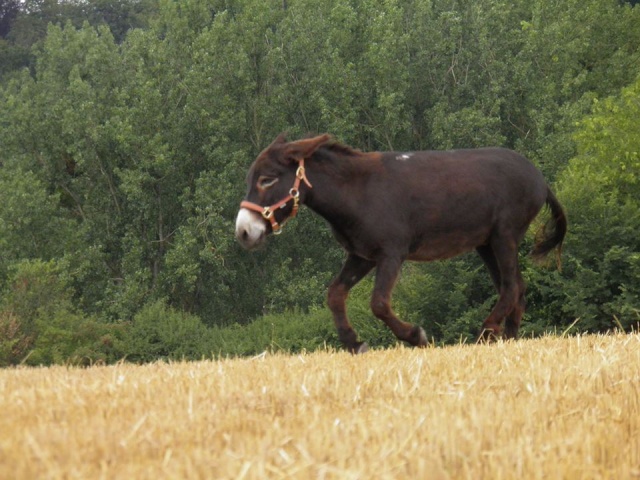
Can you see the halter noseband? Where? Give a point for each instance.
(294, 194)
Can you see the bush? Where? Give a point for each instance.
(160, 332)
(40, 326)
(15, 343)
(449, 299)
(33, 286)
(66, 337)
(291, 331)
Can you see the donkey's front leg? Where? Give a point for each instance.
(354, 269)
(386, 275)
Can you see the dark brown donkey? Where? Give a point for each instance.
(388, 207)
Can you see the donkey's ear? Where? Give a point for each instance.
(278, 142)
(282, 138)
(304, 148)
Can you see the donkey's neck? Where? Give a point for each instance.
(338, 181)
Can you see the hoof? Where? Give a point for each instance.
(361, 347)
(487, 335)
(418, 338)
(510, 332)
(423, 338)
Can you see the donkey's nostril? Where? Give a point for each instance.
(250, 229)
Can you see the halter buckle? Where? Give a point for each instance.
(301, 173)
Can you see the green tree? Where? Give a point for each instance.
(601, 190)
(124, 149)
(31, 224)
(9, 10)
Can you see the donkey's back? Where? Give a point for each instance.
(443, 203)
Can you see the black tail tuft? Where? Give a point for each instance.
(552, 233)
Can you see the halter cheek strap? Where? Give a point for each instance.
(294, 194)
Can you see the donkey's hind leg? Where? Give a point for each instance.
(513, 319)
(387, 273)
(501, 259)
(353, 270)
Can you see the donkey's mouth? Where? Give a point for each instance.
(249, 243)
(251, 230)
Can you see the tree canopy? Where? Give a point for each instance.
(127, 128)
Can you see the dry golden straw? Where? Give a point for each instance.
(541, 409)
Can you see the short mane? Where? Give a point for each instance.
(343, 161)
(341, 148)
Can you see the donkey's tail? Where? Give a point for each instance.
(552, 233)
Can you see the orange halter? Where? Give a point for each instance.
(294, 194)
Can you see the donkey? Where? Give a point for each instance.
(388, 207)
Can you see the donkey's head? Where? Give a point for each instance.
(274, 184)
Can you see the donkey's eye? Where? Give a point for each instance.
(266, 182)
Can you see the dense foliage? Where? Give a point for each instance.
(127, 128)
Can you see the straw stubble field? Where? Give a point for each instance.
(544, 408)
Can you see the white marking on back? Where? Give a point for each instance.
(404, 156)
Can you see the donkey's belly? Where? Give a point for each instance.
(446, 246)
(428, 253)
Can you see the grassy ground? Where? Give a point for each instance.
(541, 409)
